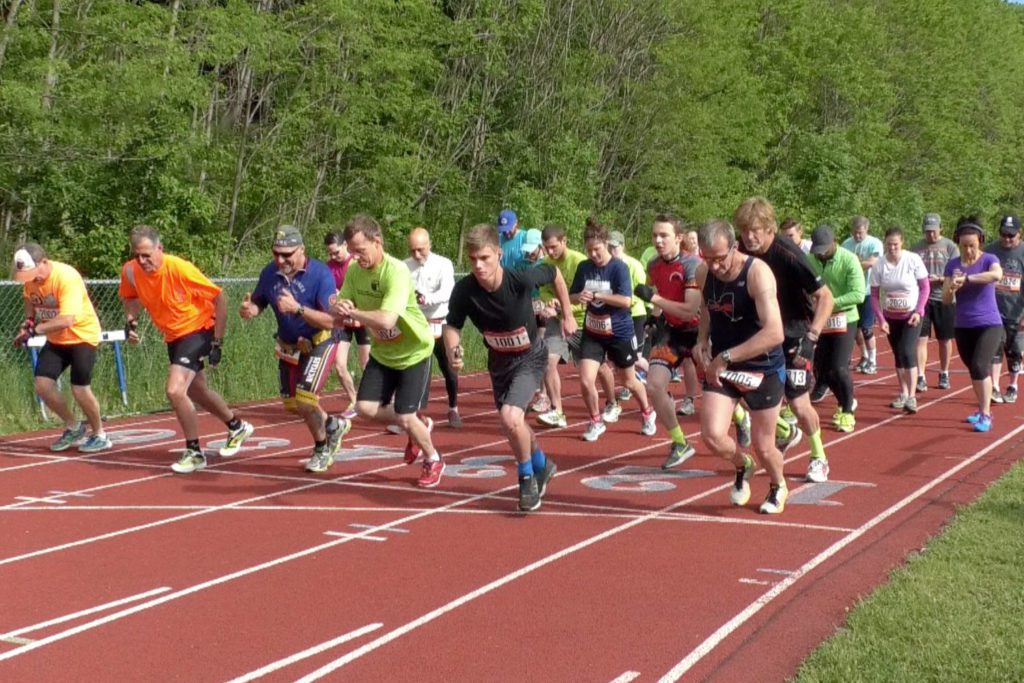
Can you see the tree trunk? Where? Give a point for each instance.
(12, 18)
(51, 70)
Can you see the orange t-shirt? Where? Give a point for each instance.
(63, 293)
(178, 296)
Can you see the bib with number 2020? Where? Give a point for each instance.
(599, 324)
(898, 303)
(836, 324)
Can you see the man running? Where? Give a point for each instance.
(868, 249)
(58, 307)
(1010, 252)
(936, 251)
(500, 304)
(191, 313)
(739, 347)
(300, 291)
(805, 304)
(378, 293)
(433, 277)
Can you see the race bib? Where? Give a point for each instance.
(514, 341)
(289, 355)
(436, 324)
(796, 377)
(1010, 284)
(898, 303)
(388, 335)
(600, 325)
(836, 324)
(742, 380)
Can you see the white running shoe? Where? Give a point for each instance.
(594, 431)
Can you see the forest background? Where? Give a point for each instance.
(217, 120)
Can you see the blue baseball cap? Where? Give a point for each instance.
(507, 220)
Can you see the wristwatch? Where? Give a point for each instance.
(727, 356)
(300, 311)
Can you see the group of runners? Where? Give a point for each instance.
(766, 318)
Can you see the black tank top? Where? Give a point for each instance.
(733, 316)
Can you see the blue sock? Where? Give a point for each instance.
(525, 469)
(538, 459)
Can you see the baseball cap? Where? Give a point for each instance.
(25, 267)
(616, 239)
(1010, 225)
(822, 239)
(931, 221)
(531, 241)
(287, 236)
(507, 220)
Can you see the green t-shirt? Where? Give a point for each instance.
(844, 276)
(637, 276)
(648, 255)
(388, 287)
(567, 266)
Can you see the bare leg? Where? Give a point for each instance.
(89, 405)
(47, 390)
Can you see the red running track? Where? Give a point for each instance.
(114, 568)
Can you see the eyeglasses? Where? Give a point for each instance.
(718, 260)
(284, 254)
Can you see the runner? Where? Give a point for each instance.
(602, 283)
(899, 293)
(511, 239)
(300, 291)
(868, 249)
(1010, 252)
(338, 260)
(805, 304)
(971, 278)
(433, 277)
(673, 290)
(58, 307)
(936, 251)
(841, 271)
(378, 293)
(739, 345)
(794, 230)
(499, 302)
(191, 313)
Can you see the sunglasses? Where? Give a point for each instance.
(284, 254)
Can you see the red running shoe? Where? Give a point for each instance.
(412, 451)
(431, 475)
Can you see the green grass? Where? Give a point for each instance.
(955, 612)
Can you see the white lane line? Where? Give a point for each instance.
(712, 641)
(373, 527)
(82, 613)
(305, 654)
(627, 677)
(16, 640)
(756, 582)
(357, 537)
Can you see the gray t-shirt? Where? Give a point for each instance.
(935, 257)
(1008, 294)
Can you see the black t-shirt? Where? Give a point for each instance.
(505, 316)
(795, 283)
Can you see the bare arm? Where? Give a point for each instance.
(823, 302)
(761, 285)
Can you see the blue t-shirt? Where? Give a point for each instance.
(312, 286)
(975, 303)
(603, 321)
(512, 250)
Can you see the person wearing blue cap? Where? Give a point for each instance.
(510, 239)
(1010, 252)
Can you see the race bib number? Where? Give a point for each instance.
(514, 341)
(796, 377)
(388, 335)
(435, 327)
(1010, 284)
(742, 380)
(600, 325)
(898, 303)
(836, 324)
(288, 355)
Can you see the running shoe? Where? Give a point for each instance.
(1010, 395)
(899, 402)
(775, 503)
(412, 451)
(678, 454)
(871, 368)
(335, 438)
(845, 422)
(529, 494)
(190, 461)
(611, 413)
(594, 431)
(675, 375)
(943, 380)
(836, 414)
(782, 443)
(95, 443)
(787, 414)
(743, 430)
(996, 396)
(431, 475)
(973, 417)
(922, 384)
(910, 405)
(320, 461)
(69, 438)
(350, 413)
(686, 407)
(454, 419)
(650, 424)
(739, 493)
(541, 404)
(624, 394)
(553, 418)
(861, 365)
(236, 437)
(817, 470)
(818, 393)
(544, 477)
(983, 424)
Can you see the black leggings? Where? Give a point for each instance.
(903, 340)
(832, 365)
(451, 378)
(977, 346)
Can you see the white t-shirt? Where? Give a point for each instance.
(434, 279)
(897, 283)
